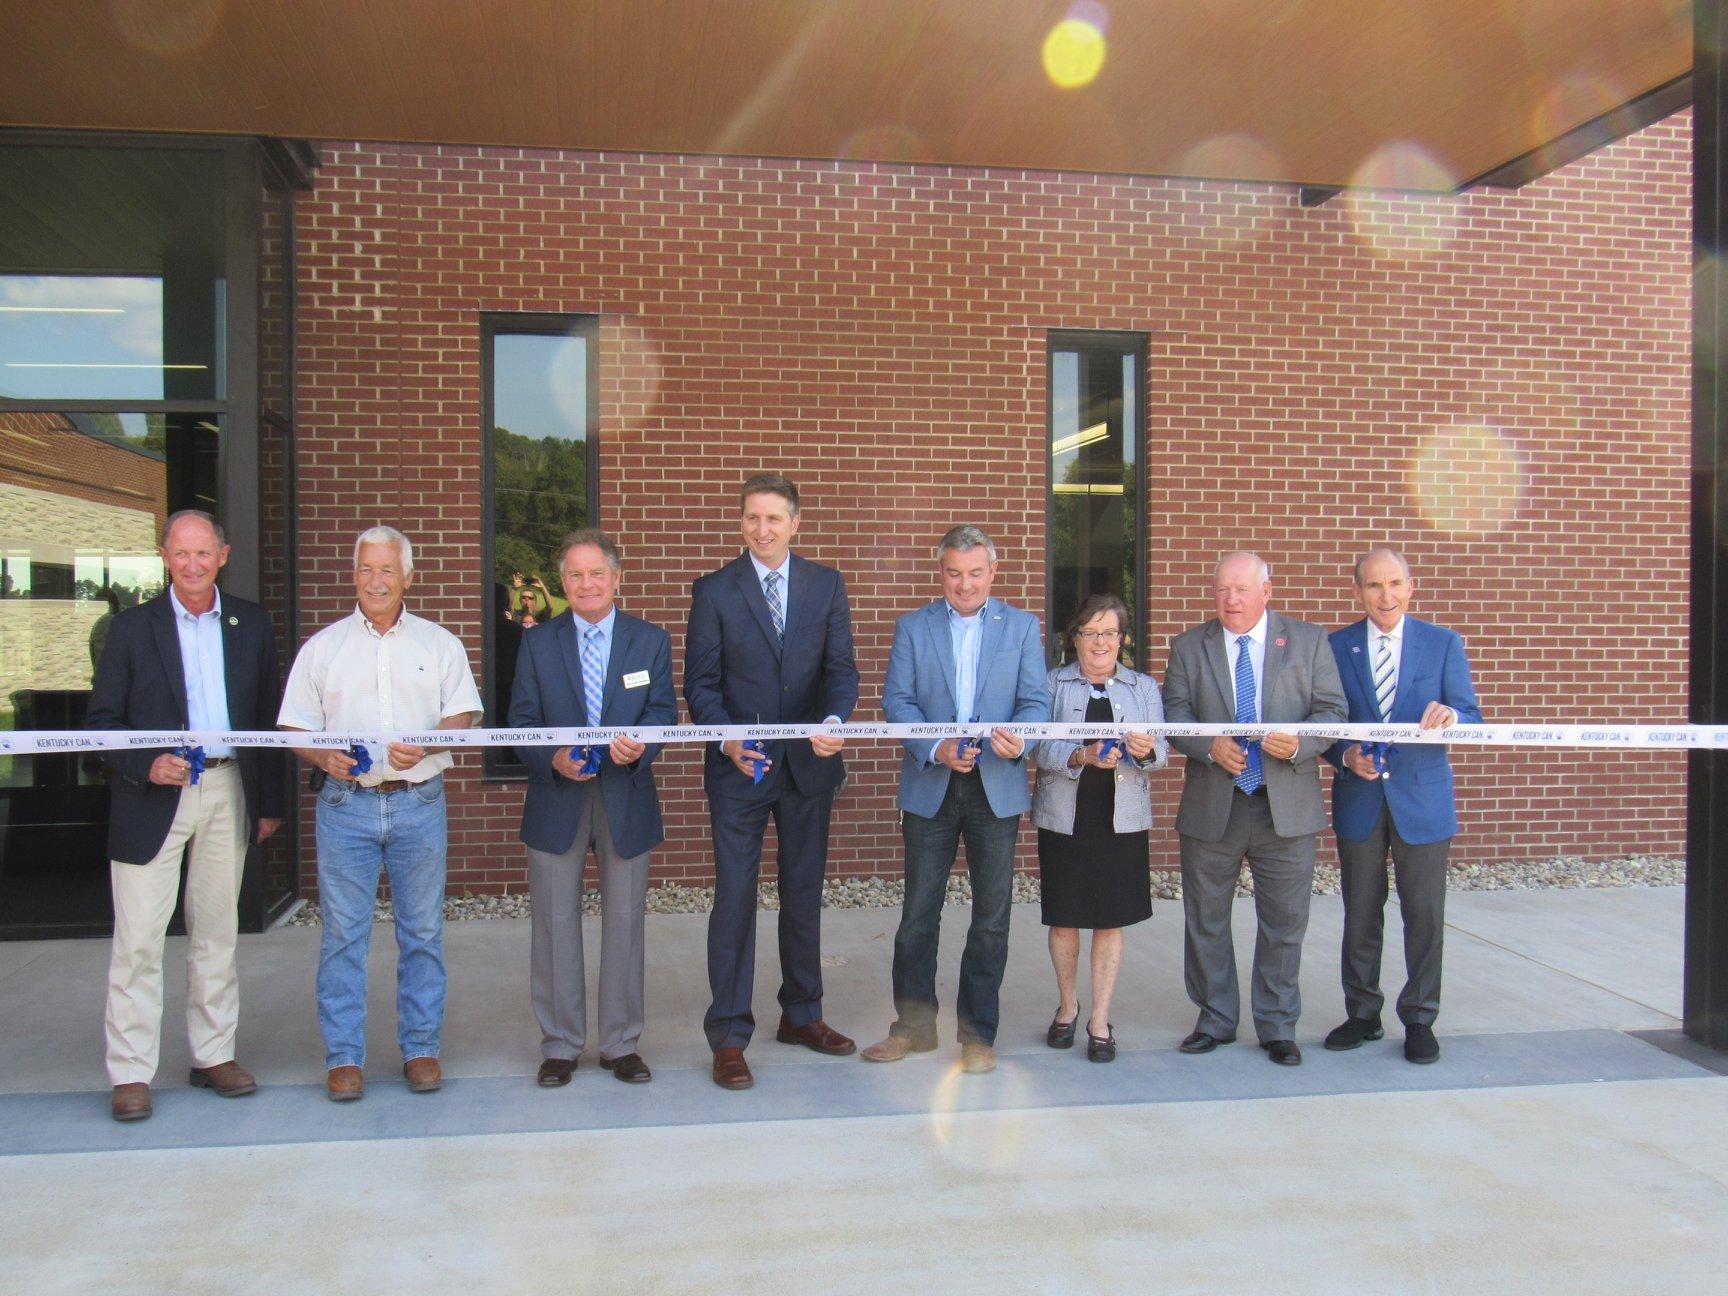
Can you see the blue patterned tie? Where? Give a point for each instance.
(1251, 778)
(771, 588)
(593, 673)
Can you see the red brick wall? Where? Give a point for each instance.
(878, 332)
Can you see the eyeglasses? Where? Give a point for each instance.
(1098, 636)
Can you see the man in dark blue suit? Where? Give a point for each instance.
(592, 666)
(769, 642)
(1395, 799)
(190, 658)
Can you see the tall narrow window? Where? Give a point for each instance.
(541, 402)
(1097, 483)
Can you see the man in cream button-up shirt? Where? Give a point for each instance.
(381, 669)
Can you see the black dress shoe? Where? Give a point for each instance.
(1420, 1044)
(1061, 1033)
(630, 1068)
(1201, 1042)
(1101, 1050)
(1283, 1052)
(1353, 1033)
(554, 1072)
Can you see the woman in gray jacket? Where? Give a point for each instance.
(1093, 807)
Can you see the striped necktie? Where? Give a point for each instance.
(1385, 676)
(771, 589)
(593, 673)
(1251, 778)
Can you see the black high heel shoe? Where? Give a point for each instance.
(1061, 1033)
(1100, 1050)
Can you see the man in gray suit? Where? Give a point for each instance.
(1253, 800)
(591, 666)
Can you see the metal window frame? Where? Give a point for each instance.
(495, 324)
(1117, 342)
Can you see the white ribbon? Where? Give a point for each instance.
(34, 742)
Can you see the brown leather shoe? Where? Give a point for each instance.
(818, 1035)
(228, 1079)
(977, 1059)
(554, 1072)
(131, 1102)
(424, 1074)
(896, 1047)
(344, 1083)
(731, 1071)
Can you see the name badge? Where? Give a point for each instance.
(636, 679)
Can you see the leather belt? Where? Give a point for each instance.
(211, 762)
(387, 786)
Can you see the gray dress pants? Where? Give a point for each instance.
(1421, 874)
(555, 957)
(1283, 871)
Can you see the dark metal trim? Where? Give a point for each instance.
(1634, 115)
(289, 163)
(1705, 992)
(493, 325)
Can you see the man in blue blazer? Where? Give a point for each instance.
(769, 642)
(591, 666)
(963, 659)
(193, 658)
(1395, 799)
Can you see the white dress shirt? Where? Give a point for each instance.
(1256, 638)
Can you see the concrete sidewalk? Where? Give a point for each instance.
(1553, 1147)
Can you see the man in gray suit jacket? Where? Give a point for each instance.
(965, 658)
(591, 666)
(1243, 799)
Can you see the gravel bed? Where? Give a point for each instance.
(1567, 871)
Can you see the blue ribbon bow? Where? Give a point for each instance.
(1111, 745)
(1377, 752)
(591, 758)
(195, 755)
(973, 743)
(761, 767)
(362, 759)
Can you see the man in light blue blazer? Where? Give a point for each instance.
(1395, 799)
(593, 665)
(963, 660)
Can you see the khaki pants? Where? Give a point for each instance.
(212, 814)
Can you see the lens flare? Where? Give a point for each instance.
(1467, 480)
(1073, 53)
(976, 1119)
(166, 26)
(1400, 203)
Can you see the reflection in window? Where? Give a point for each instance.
(541, 409)
(1096, 453)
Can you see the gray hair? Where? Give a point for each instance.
(180, 515)
(590, 536)
(1379, 551)
(1265, 568)
(965, 537)
(386, 535)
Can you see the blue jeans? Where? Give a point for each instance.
(401, 833)
(931, 845)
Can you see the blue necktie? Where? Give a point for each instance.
(1385, 677)
(1251, 778)
(771, 589)
(593, 673)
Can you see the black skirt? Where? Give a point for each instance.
(1097, 877)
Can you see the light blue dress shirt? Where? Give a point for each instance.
(604, 625)
(205, 668)
(966, 634)
(1257, 655)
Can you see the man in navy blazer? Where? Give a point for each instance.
(589, 667)
(769, 642)
(1395, 799)
(190, 658)
(963, 659)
